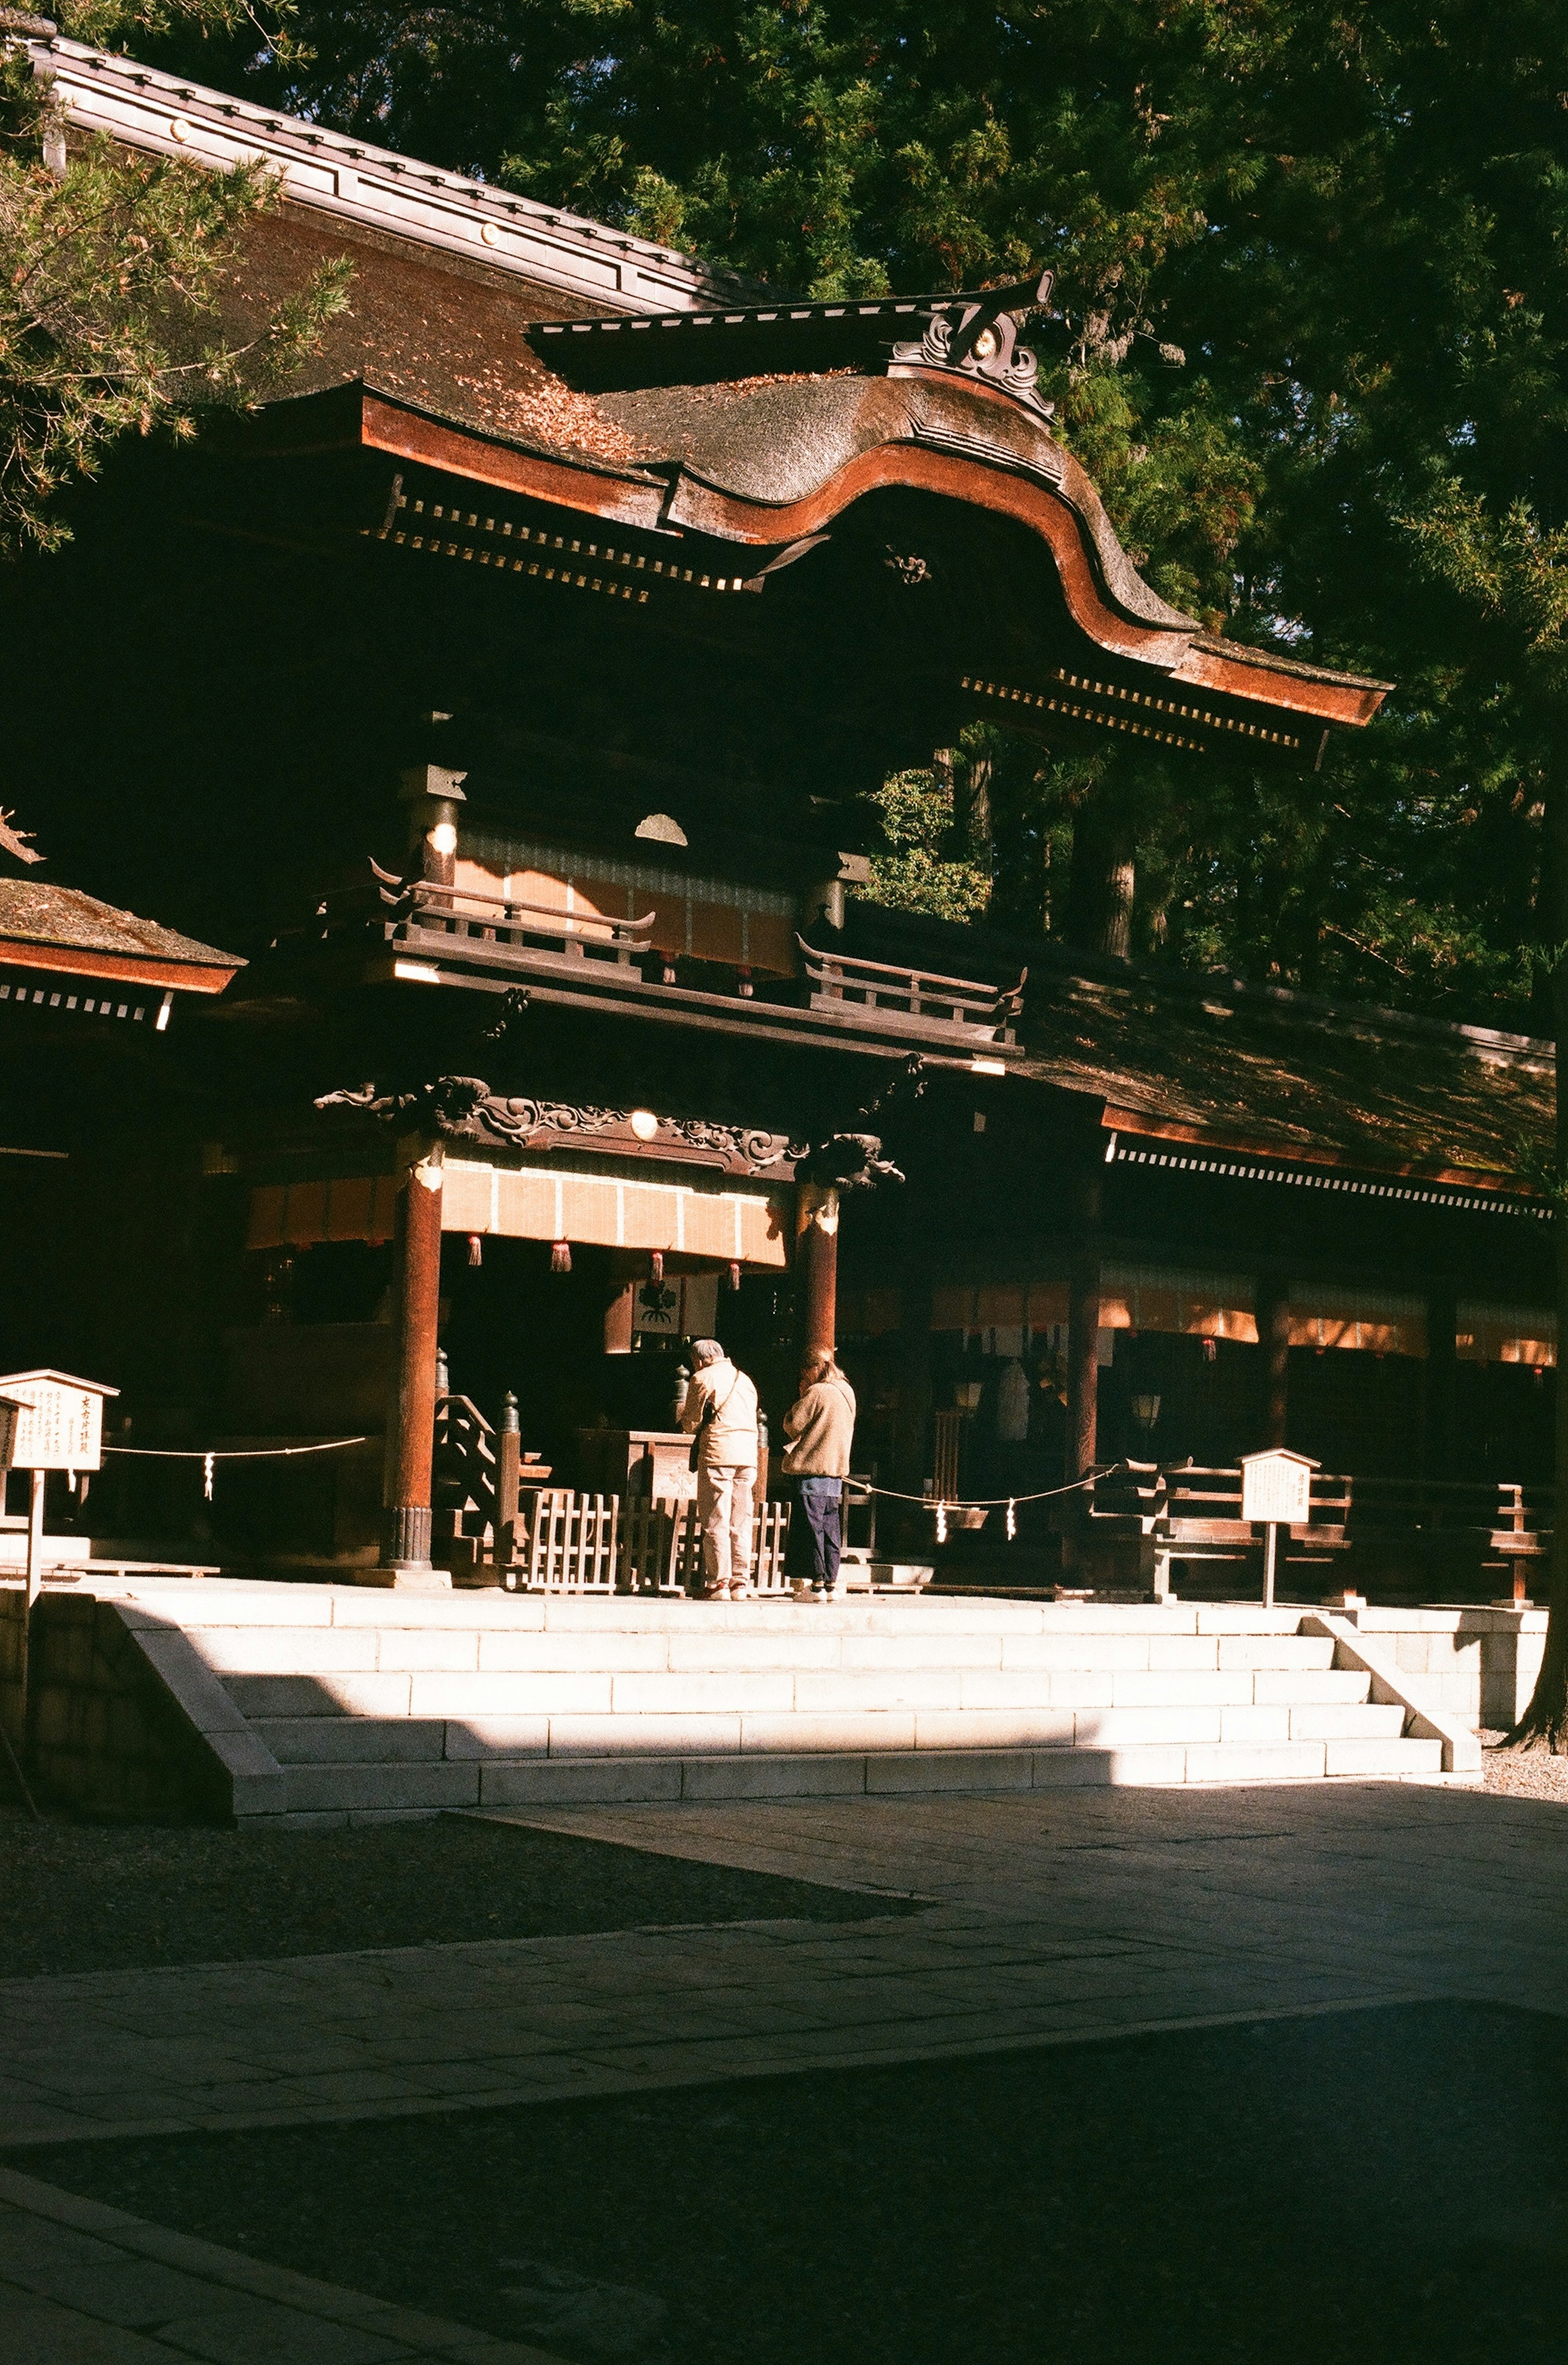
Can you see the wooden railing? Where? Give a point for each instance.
(1182, 1512)
(425, 910)
(914, 999)
(464, 1475)
(1455, 1532)
(1425, 1532)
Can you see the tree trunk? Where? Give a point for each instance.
(1100, 898)
(1544, 1723)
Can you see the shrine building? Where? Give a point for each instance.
(506, 701)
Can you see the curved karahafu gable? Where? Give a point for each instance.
(770, 462)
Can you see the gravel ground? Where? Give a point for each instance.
(1524, 1772)
(94, 1897)
(1365, 2188)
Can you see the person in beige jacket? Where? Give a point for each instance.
(721, 1411)
(820, 1426)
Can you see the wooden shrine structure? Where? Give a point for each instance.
(507, 697)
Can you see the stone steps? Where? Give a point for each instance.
(368, 1791)
(368, 1704)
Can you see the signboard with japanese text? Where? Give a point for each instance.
(61, 1421)
(1276, 1488)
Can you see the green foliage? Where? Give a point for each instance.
(915, 812)
(110, 275)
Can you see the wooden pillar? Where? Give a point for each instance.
(432, 793)
(816, 1252)
(1442, 1373)
(509, 1473)
(1084, 1335)
(1274, 1338)
(410, 1429)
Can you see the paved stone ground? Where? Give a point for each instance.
(1053, 1919)
(84, 2284)
(1380, 2187)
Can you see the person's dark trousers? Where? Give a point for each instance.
(817, 1536)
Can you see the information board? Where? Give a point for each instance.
(1276, 1488)
(61, 1424)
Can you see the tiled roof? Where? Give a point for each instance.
(34, 912)
(1227, 1066)
(357, 187)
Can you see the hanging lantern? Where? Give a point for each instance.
(476, 1248)
(667, 975)
(1211, 1350)
(735, 1273)
(656, 1267)
(743, 984)
(561, 1257)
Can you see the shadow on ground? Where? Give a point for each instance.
(110, 1897)
(1361, 2188)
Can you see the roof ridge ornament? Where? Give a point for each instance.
(984, 344)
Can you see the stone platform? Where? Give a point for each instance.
(325, 1704)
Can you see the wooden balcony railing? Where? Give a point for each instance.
(426, 911)
(910, 999)
(511, 937)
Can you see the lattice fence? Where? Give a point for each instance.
(661, 1548)
(573, 1543)
(598, 1544)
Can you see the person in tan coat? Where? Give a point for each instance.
(820, 1426)
(720, 1412)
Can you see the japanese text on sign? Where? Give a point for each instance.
(60, 1427)
(1277, 1487)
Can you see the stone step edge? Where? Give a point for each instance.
(1390, 1685)
(589, 1781)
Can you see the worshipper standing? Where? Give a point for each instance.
(820, 1426)
(720, 1412)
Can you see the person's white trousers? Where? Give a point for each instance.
(724, 1514)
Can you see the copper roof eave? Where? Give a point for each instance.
(632, 496)
(124, 969)
(1117, 1119)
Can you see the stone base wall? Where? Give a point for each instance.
(1477, 1664)
(105, 1735)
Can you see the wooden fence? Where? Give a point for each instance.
(599, 1543)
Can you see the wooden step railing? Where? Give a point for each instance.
(462, 1470)
(913, 998)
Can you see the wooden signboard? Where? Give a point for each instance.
(11, 1411)
(1276, 1492)
(1277, 1486)
(60, 1423)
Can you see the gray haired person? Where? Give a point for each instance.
(720, 1412)
(820, 1426)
